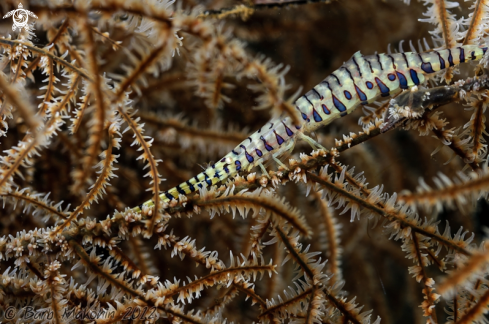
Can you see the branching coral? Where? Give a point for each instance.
(102, 101)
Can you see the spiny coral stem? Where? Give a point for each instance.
(128, 264)
(143, 264)
(272, 86)
(95, 190)
(332, 235)
(22, 106)
(251, 293)
(478, 310)
(48, 54)
(108, 6)
(70, 94)
(292, 250)
(86, 260)
(246, 10)
(223, 300)
(219, 276)
(284, 305)
(448, 193)
(147, 156)
(48, 69)
(34, 201)
(344, 309)
(457, 149)
(455, 307)
(84, 104)
(267, 203)
(100, 104)
(478, 127)
(8, 174)
(184, 129)
(434, 258)
(54, 306)
(476, 22)
(257, 233)
(313, 304)
(476, 262)
(26, 148)
(445, 22)
(429, 306)
(185, 247)
(60, 31)
(19, 68)
(142, 66)
(386, 214)
(94, 268)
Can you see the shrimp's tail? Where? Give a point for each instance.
(225, 168)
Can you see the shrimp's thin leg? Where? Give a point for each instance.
(315, 145)
(285, 151)
(280, 163)
(265, 172)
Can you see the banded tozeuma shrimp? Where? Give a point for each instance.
(359, 81)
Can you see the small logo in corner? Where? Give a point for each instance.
(20, 17)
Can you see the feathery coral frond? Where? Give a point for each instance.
(146, 64)
(254, 201)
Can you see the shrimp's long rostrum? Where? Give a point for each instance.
(359, 81)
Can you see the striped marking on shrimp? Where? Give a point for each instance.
(268, 147)
(426, 66)
(304, 116)
(358, 66)
(337, 79)
(378, 60)
(288, 130)
(248, 156)
(393, 62)
(317, 93)
(414, 76)
(384, 90)
(190, 186)
(325, 109)
(369, 65)
(442, 61)
(450, 58)
(338, 104)
(360, 93)
(315, 115)
(403, 84)
(258, 152)
(405, 59)
(462, 55)
(279, 138)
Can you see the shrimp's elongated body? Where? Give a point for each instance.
(359, 81)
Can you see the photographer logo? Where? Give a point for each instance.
(20, 17)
